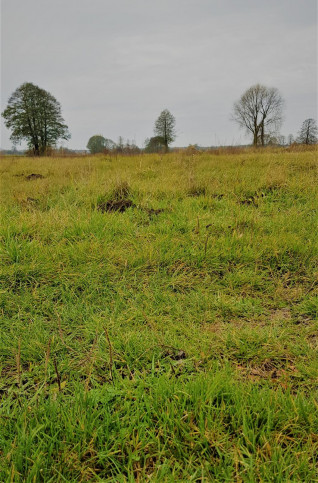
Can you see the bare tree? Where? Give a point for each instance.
(308, 132)
(259, 111)
(290, 139)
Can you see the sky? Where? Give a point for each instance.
(114, 65)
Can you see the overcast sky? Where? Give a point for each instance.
(114, 65)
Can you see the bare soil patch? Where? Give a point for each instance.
(153, 211)
(115, 205)
(33, 176)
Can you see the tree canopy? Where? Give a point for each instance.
(308, 132)
(98, 144)
(155, 144)
(165, 128)
(34, 115)
(259, 111)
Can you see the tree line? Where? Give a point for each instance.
(35, 116)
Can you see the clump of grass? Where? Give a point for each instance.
(121, 191)
(118, 200)
(197, 190)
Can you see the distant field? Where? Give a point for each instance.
(159, 318)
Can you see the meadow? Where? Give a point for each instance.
(159, 317)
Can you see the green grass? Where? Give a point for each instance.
(174, 341)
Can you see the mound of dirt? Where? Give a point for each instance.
(115, 205)
(32, 176)
(153, 211)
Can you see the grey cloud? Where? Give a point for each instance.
(115, 65)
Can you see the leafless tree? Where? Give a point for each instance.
(308, 132)
(290, 139)
(259, 111)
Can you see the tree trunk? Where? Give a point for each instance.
(262, 134)
(255, 138)
(307, 136)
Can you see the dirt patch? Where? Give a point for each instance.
(251, 200)
(254, 198)
(281, 314)
(153, 212)
(213, 327)
(174, 354)
(303, 320)
(197, 190)
(115, 205)
(269, 369)
(313, 340)
(30, 203)
(33, 176)
(270, 189)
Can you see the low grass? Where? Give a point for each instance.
(159, 318)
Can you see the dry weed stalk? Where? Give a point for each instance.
(18, 361)
(47, 357)
(62, 336)
(57, 374)
(91, 357)
(206, 244)
(110, 354)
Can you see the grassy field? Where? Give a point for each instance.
(159, 318)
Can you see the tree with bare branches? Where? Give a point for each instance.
(259, 111)
(308, 132)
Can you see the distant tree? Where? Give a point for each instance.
(259, 111)
(131, 148)
(308, 132)
(34, 115)
(120, 144)
(192, 149)
(282, 140)
(155, 144)
(99, 144)
(290, 139)
(274, 140)
(64, 151)
(165, 128)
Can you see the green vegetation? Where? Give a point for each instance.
(165, 129)
(159, 318)
(34, 115)
(99, 144)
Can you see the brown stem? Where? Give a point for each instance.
(18, 360)
(110, 354)
(57, 374)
